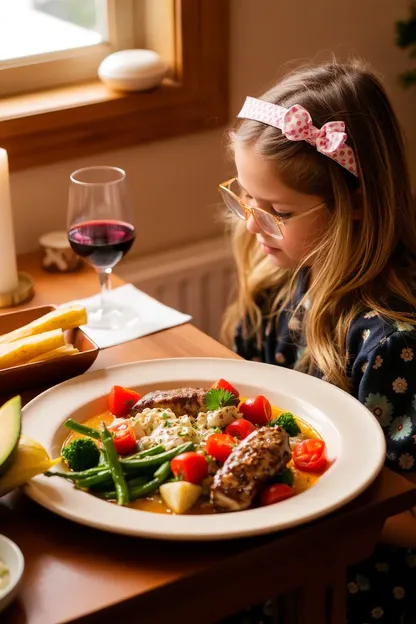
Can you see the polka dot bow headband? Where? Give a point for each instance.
(296, 124)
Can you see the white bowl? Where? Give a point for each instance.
(12, 557)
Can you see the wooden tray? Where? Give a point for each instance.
(50, 372)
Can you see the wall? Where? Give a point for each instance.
(173, 183)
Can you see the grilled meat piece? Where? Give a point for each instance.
(180, 400)
(264, 453)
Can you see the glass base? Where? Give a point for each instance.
(112, 317)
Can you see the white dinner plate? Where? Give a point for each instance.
(355, 444)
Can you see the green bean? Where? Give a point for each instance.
(103, 489)
(139, 491)
(130, 466)
(99, 478)
(155, 450)
(87, 431)
(103, 478)
(101, 475)
(137, 481)
(160, 476)
(103, 458)
(85, 474)
(115, 466)
(89, 480)
(111, 494)
(74, 476)
(134, 466)
(162, 472)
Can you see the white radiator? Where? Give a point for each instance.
(197, 279)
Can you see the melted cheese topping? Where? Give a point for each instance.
(162, 426)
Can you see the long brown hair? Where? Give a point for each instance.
(361, 264)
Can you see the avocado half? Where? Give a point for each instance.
(10, 429)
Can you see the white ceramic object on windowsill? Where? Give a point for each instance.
(132, 70)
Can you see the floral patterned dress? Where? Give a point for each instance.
(382, 369)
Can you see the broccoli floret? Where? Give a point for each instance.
(81, 454)
(288, 422)
(286, 476)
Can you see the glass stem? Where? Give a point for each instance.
(104, 277)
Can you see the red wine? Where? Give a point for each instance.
(102, 243)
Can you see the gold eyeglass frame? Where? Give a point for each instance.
(251, 210)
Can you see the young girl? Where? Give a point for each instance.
(325, 244)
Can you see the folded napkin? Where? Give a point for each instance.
(153, 316)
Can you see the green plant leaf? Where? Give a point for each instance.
(218, 397)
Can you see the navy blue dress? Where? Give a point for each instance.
(382, 371)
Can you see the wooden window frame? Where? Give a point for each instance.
(83, 119)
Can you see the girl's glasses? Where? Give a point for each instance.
(231, 192)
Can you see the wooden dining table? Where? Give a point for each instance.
(74, 573)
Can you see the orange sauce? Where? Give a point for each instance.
(155, 504)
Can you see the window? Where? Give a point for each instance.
(58, 26)
(46, 43)
(79, 115)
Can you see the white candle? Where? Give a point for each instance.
(8, 266)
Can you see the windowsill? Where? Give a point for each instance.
(18, 107)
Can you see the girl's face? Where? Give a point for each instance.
(264, 189)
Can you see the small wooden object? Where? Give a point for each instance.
(23, 292)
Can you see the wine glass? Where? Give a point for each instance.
(100, 230)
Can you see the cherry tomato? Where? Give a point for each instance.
(240, 429)
(224, 385)
(124, 437)
(275, 493)
(121, 400)
(191, 467)
(310, 455)
(220, 445)
(257, 410)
